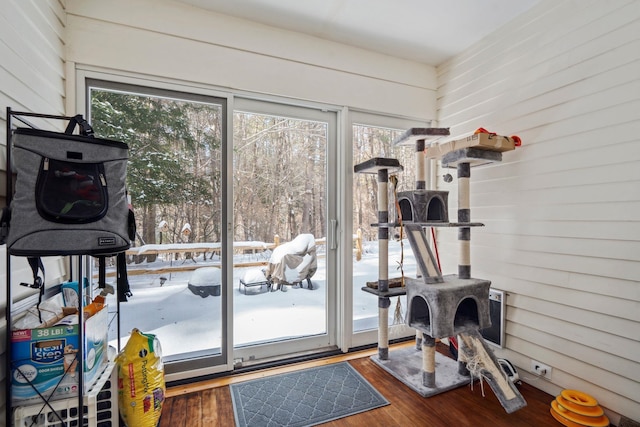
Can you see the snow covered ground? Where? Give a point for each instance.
(185, 322)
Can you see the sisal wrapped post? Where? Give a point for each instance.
(464, 216)
(418, 339)
(383, 265)
(421, 174)
(428, 361)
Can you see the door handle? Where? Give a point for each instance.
(333, 234)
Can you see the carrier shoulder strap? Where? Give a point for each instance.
(38, 282)
(5, 219)
(124, 291)
(36, 265)
(102, 272)
(122, 279)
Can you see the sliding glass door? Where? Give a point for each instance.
(175, 174)
(234, 257)
(283, 252)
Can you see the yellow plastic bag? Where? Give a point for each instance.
(141, 386)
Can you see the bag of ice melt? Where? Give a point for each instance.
(141, 385)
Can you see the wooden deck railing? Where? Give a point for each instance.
(181, 261)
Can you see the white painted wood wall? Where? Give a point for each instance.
(32, 76)
(562, 212)
(159, 38)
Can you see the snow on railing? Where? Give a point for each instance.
(181, 248)
(246, 254)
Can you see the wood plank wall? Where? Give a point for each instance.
(562, 212)
(227, 52)
(32, 78)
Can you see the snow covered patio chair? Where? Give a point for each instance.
(293, 262)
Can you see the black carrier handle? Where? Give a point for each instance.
(83, 125)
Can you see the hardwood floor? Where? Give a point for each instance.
(209, 403)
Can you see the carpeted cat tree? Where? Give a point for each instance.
(437, 306)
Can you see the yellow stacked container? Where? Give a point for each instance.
(574, 408)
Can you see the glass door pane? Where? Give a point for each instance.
(174, 181)
(280, 227)
(371, 141)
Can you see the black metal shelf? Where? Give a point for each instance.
(9, 311)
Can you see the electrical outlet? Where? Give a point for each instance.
(541, 369)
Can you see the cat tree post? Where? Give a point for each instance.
(464, 216)
(382, 167)
(383, 265)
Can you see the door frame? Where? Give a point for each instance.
(334, 116)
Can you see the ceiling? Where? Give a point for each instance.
(427, 31)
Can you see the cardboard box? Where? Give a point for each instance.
(483, 141)
(42, 359)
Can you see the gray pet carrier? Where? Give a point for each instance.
(70, 195)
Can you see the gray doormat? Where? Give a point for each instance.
(304, 398)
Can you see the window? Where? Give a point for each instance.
(373, 136)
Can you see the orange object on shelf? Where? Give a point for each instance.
(483, 130)
(92, 309)
(517, 141)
